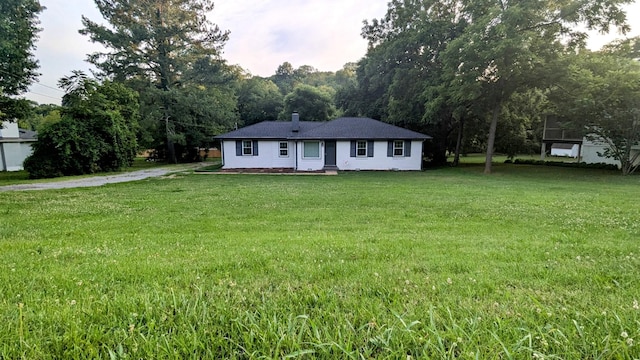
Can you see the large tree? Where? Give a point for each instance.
(258, 100)
(155, 44)
(601, 94)
(401, 80)
(509, 44)
(96, 132)
(18, 32)
(313, 104)
(431, 64)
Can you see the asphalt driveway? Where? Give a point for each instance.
(100, 180)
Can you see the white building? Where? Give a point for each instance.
(340, 144)
(15, 146)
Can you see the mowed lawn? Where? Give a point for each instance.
(530, 262)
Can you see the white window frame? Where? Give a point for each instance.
(304, 147)
(398, 148)
(284, 149)
(363, 149)
(245, 148)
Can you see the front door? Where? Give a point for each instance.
(330, 153)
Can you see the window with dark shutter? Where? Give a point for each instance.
(407, 148)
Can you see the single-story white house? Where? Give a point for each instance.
(345, 143)
(15, 146)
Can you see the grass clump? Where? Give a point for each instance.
(526, 263)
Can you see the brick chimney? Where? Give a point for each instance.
(295, 122)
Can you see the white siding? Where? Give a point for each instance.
(268, 156)
(9, 130)
(590, 150)
(14, 150)
(14, 155)
(380, 160)
(306, 164)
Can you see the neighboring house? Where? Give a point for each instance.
(15, 146)
(340, 144)
(566, 141)
(562, 139)
(592, 148)
(569, 150)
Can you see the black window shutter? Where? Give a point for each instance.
(238, 147)
(407, 148)
(390, 148)
(369, 148)
(255, 148)
(353, 148)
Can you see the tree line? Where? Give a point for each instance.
(477, 76)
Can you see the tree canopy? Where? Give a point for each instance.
(18, 32)
(431, 64)
(601, 95)
(258, 100)
(313, 104)
(96, 131)
(156, 46)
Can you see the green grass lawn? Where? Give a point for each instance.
(530, 262)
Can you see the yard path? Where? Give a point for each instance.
(100, 180)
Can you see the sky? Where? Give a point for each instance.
(264, 34)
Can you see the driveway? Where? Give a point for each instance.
(100, 180)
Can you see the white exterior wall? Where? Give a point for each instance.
(13, 156)
(590, 155)
(310, 164)
(380, 160)
(268, 156)
(14, 151)
(9, 130)
(27, 150)
(590, 150)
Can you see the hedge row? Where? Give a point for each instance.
(582, 165)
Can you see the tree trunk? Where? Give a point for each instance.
(492, 138)
(456, 156)
(171, 151)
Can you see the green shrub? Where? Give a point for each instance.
(583, 165)
(96, 133)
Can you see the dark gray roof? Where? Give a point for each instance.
(269, 130)
(27, 134)
(361, 128)
(23, 134)
(342, 128)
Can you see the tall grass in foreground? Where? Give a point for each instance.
(527, 263)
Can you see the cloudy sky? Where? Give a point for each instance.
(264, 33)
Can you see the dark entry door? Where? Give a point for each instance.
(330, 153)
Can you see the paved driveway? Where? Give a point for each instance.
(100, 179)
